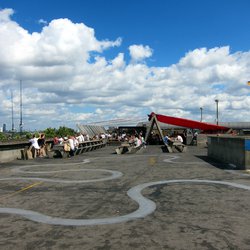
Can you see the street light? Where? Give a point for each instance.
(201, 113)
(217, 111)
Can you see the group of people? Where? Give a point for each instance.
(135, 140)
(171, 140)
(71, 143)
(78, 138)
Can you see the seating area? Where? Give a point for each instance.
(174, 146)
(57, 151)
(127, 148)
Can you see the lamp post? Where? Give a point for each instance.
(201, 113)
(217, 111)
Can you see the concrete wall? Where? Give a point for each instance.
(230, 150)
(13, 151)
(10, 155)
(202, 140)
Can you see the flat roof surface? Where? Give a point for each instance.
(147, 200)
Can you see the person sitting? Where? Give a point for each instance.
(76, 142)
(194, 139)
(179, 138)
(80, 138)
(60, 140)
(130, 139)
(179, 143)
(72, 146)
(138, 142)
(142, 141)
(87, 138)
(167, 140)
(55, 140)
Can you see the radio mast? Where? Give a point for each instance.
(12, 113)
(21, 108)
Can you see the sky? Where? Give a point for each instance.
(114, 62)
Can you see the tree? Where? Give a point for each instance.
(50, 132)
(64, 131)
(2, 136)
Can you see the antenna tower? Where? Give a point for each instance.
(21, 108)
(12, 113)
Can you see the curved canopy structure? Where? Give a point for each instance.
(187, 123)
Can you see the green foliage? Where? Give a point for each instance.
(28, 135)
(62, 131)
(50, 132)
(17, 137)
(2, 136)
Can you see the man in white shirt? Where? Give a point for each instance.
(179, 138)
(34, 142)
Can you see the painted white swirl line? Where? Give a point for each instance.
(146, 206)
(20, 169)
(114, 175)
(172, 159)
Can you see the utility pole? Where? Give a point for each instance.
(217, 111)
(201, 113)
(21, 108)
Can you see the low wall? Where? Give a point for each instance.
(10, 151)
(10, 155)
(13, 151)
(233, 150)
(202, 140)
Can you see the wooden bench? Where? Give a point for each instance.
(175, 145)
(179, 146)
(58, 149)
(127, 148)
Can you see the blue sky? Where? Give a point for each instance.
(198, 50)
(170, 27)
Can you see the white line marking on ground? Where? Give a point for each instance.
(146, 206)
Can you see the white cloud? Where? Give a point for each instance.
(200, 58)
(140, 52)
(67, 79)
(5, 15)
(42, 21)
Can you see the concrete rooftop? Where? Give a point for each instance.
(148, 200)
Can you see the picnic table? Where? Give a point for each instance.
(58, 149)
(127, 148)
(171, 146)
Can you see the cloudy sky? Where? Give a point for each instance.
(93, 60)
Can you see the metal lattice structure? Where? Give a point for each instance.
(91, 130)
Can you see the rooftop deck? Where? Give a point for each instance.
(148, 200)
